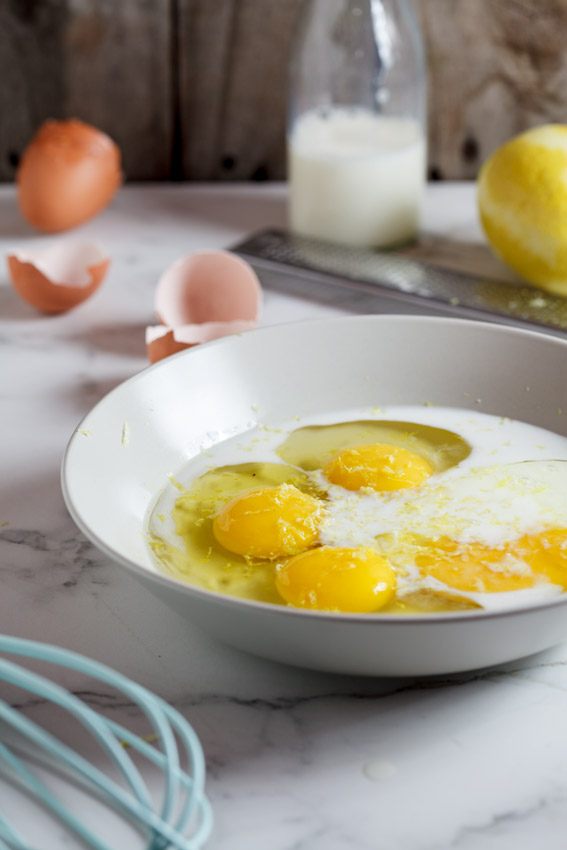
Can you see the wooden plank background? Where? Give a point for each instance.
(196, 89)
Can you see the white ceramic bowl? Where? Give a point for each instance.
(119, 458)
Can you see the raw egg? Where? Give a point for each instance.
(60, 277)
(379, 466)
(269, 523)
(68, 173)
(201, 297)
(331, 578)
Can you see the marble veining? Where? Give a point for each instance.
(297, 760)
(56, 562)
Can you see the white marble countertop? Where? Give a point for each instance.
(295, 759)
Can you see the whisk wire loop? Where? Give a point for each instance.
(95, 724)
(16, 841)
(33, 785)
(183, 792)
(138, 810)
(147, 701)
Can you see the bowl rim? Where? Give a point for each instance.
(227, 601)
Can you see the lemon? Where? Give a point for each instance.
(522, 200)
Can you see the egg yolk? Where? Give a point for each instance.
(474, 567)
(271, 522)
(379, 466)
(546, 554)
(337, 579)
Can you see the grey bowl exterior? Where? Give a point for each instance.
(208, 393)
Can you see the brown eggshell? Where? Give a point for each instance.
(162, 341)
(68, 173)
(208, 286)
(58, 278)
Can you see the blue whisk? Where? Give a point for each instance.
(184, 820)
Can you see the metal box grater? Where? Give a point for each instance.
(326, 272)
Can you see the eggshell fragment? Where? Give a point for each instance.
(68, 173)
(162, 341)
(60, 277)
(208, 286)
(201, 297)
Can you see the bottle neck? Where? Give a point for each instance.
(358, 53)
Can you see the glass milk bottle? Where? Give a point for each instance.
(357, 123)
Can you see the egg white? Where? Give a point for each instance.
(490, 505)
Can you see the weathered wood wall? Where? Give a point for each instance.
(196, 89)
(496, 67)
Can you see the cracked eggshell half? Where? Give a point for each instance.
(162, 341)
(58, 278)
(201, 297)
